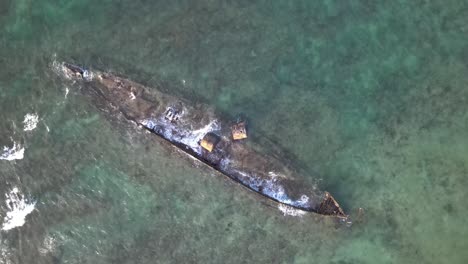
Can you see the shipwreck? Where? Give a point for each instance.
(200, 132)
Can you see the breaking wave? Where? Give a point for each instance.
(15, 152)
(30, 122)
(18, 208)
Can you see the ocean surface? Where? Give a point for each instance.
(370, 97)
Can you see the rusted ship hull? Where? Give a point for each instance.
(197, 130)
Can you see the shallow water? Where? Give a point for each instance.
(369, 97)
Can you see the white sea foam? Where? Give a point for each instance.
(30, 121)
(48, 245)
(18, 208)
(5, 253)
(13, 153)
(288, 210)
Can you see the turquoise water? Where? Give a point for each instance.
(368, 96)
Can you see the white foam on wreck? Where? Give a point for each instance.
(60, 69)
(269, 187)
(190, 138)
(16, 152)
(193, 138)
(30, 121)
(18, 208)
(291, 211)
